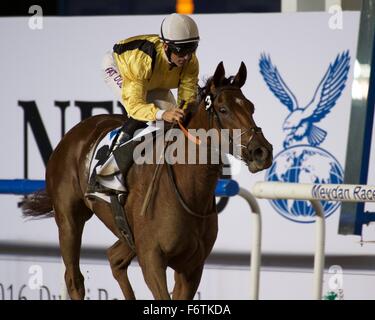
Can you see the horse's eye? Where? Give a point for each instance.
(223, 110)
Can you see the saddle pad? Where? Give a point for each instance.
(115, 181)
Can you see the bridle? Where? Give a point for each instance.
(209, 99)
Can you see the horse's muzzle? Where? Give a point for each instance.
(258, 156)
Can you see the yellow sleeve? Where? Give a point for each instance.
(188, 87)
(134, 97)
(136, 70)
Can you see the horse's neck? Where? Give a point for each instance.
(201, 120)
(201, 178)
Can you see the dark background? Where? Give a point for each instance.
(129, 7)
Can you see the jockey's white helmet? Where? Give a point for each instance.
(180, 33)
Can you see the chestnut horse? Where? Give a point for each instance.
(170, 236)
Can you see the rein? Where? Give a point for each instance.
(181, 199)
(213, 114)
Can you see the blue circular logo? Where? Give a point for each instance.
(304, 164)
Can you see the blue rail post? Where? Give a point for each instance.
(20, 186)
(224, 187)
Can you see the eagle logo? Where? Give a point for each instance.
(302, 160)
(301, 121)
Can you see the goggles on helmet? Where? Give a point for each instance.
(182, 49)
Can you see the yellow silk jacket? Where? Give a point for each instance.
(144, 66)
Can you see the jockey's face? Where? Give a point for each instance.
(179, 59)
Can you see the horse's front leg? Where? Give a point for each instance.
(154, 266)
(120, 256)
(187, 281)
(186, 284)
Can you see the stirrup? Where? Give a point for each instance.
(96, 184)
(98, 188)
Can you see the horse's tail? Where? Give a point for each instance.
(37, 205)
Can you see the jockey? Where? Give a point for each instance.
(141, 70)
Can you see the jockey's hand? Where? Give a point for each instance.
(173, 115)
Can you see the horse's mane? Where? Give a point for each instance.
(203, 91)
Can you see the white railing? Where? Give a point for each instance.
(314, 193)
(256, 221)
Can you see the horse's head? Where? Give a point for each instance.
(230, 109)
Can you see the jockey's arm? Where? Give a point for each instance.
(136, 70)
(188, 86)
(133, 96)
(137, 108)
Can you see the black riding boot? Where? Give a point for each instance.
(124, 153)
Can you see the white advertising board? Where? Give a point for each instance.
(61, 63)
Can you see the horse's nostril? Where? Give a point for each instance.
(260, 154)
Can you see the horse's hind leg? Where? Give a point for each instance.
(120, 256)
(71, 219)
(186, 284)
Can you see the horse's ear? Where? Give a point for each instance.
(219, 75)
(240, 78)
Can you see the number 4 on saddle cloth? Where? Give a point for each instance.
(107, 171)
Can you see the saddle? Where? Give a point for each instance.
(109, 165)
